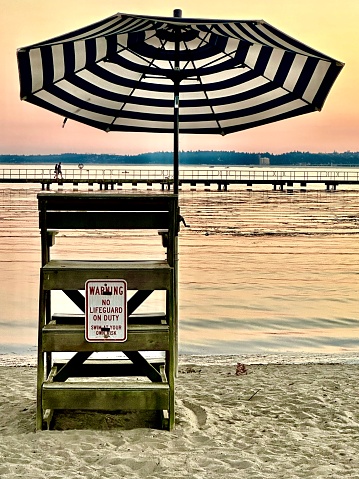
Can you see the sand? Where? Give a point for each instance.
(273, 420)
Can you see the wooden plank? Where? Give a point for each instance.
(67, 338)
(48, 413)
(110, 396)
(106, 201)
(136, 318)
(93, 368)
(107, 220)
(40, 356)
(51, 234)
(47, 418)
(75, 363)
(140, 275)
(166, 413)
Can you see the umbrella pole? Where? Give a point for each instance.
(176, 138)
(176, 81)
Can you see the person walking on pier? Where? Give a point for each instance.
(56, 171)
(59, 171)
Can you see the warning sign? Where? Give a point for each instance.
(106, 310)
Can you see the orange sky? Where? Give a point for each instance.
(330, 26)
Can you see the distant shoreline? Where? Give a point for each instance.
(194, 158)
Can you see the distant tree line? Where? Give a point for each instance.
(209, 158)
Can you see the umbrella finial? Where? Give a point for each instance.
(177, 12)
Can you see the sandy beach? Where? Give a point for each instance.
(234, 419)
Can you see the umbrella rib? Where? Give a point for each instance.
(150, 63)
(143, 75)
(201, 42)
(224, 54)
(129, 95)
(163, 44)
(244, 65)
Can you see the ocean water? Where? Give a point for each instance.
(260, 271)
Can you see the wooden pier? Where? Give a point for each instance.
(221, 179)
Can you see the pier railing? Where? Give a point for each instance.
(222, 177)
(76, 174)
(272, 175)
(230, 174)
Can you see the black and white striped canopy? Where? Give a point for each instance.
(121, 74)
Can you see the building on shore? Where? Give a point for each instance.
(264, 161)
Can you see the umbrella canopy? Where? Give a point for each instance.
(128, 72)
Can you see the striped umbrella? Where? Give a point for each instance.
(128, 73)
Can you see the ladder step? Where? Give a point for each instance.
(71, 337)
(110, 368)
(109, 396)
(140, 275)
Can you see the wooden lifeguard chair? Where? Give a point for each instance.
(60, 384)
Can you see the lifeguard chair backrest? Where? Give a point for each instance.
(108, 211)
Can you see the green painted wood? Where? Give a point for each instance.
(106, 201)
(140, 275)
(97, 210)
(107, 220)
(51, 238)
(47, 418)
(136, 318)
(110, 396)
(72, 365)
(110, 368)
(57, 338)
(40, 355)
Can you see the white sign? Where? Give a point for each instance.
(106, 310)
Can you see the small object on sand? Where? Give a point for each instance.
(241, 369)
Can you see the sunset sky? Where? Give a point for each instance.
(330, 26)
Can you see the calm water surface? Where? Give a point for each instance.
(260, 271)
